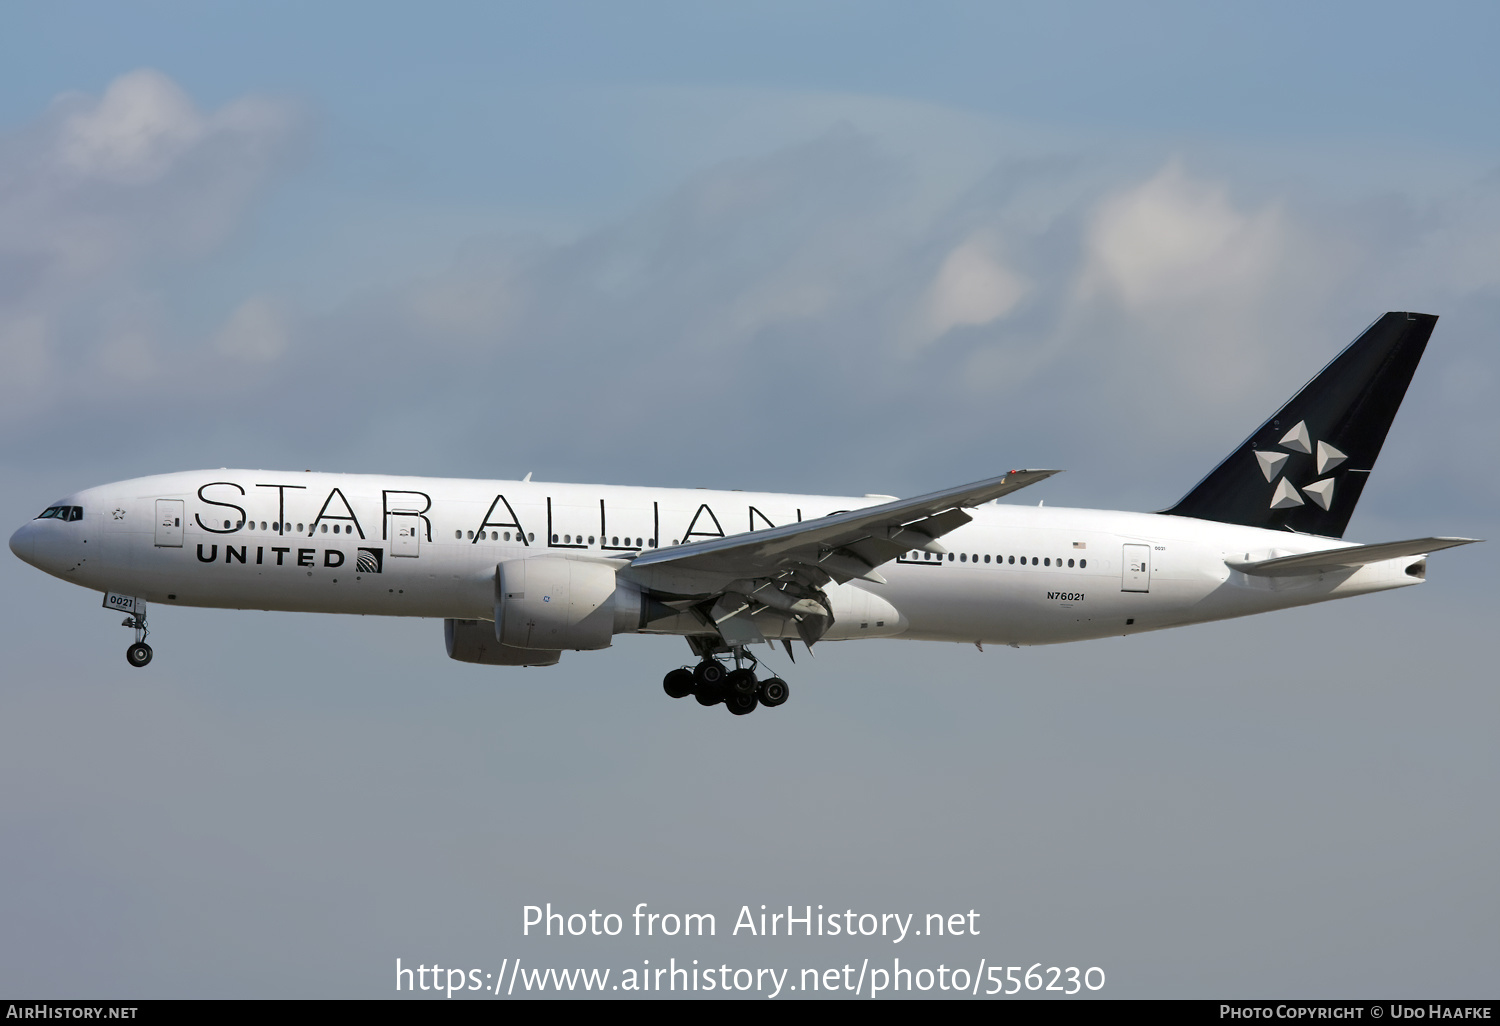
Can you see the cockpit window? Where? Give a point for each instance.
(62, 513)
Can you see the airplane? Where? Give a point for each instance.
(522, 571)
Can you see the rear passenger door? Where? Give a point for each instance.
(1135, 574)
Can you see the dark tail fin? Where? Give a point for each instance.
(1304, 469)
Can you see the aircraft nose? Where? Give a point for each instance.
(23, 543)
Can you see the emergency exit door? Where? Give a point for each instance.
(406, 534)
(169, 523)
(1135, 571)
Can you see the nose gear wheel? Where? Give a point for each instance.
(139, 653)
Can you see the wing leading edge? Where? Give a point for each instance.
(846, 546)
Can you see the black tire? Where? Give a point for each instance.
(740, 682)
(741, 704)
(138, 655)
(678, 683)
(709, 674)
(708, 695)
(774, 691)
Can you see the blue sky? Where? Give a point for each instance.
(921, 243)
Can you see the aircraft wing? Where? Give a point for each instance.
(844, 546)
(1344, 558)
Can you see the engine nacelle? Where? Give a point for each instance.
(473, 641)
(552, 602)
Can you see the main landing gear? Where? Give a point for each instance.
(139, 653)
(712, 683)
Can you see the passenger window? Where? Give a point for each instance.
(1033, 561)
(986, 559)
(1070, 563)
(1082, 563)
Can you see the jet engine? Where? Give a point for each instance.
(552, 602)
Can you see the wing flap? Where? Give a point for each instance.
(1346, 558)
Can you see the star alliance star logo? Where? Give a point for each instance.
(1286, 495)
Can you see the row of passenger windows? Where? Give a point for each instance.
(236, 525)
(76, 513)
(566, 539)
(968, 557)
(61, 513)
(577, 539)
(494, 536)
(232, 525)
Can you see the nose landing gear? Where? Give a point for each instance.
(739, 690)
(139, 653)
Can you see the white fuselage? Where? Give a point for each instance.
(428, 547)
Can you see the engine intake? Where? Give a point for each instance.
(552, 602)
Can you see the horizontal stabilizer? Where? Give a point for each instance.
(1343, 559)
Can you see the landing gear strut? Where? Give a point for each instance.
(711, 682)
(139, 653)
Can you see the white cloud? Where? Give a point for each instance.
(101, 193)
(1174, 240)
(971, 288)
(131, 135)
